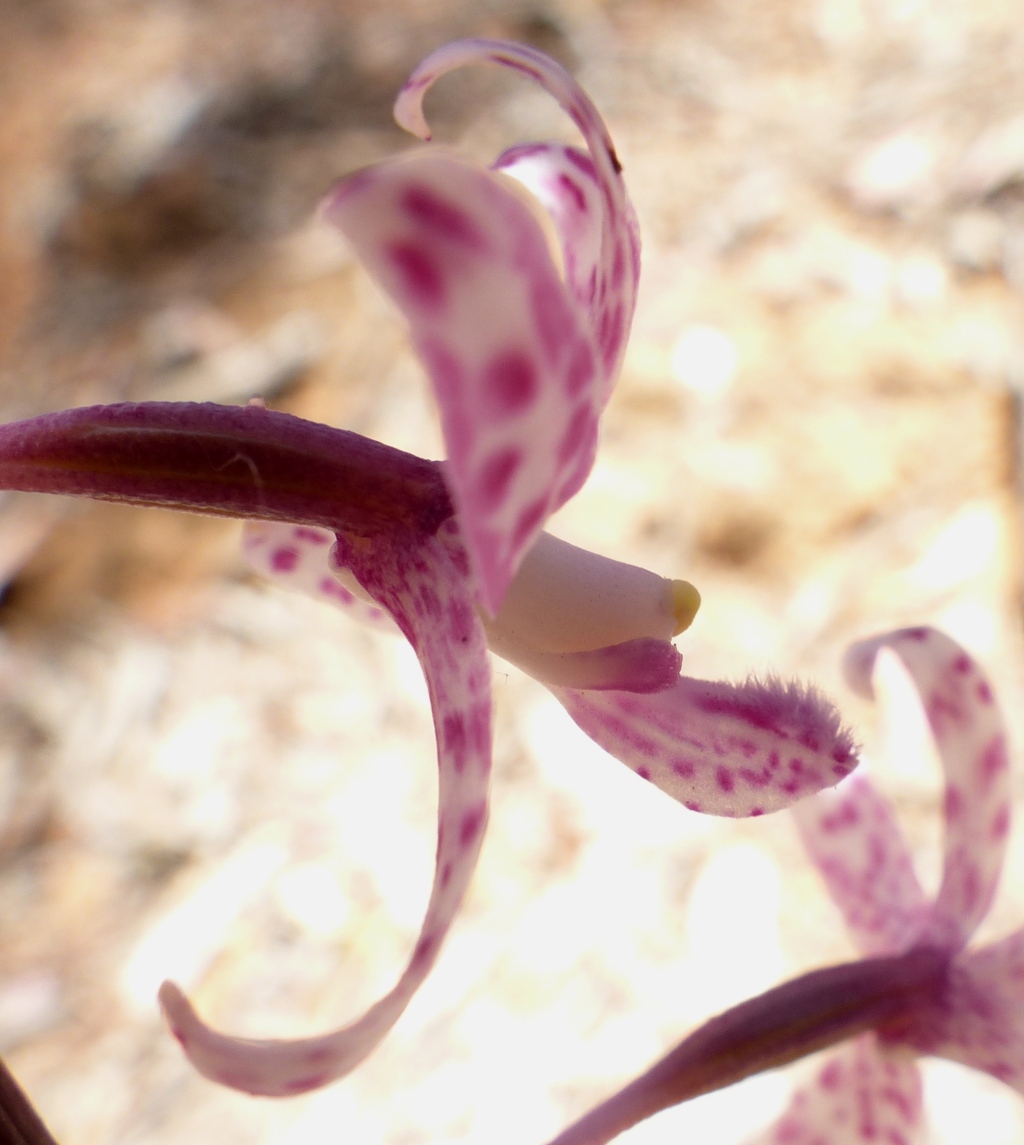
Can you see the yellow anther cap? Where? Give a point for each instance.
(685, 602)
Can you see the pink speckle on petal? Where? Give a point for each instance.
(496, 476)
(480, 731)
(521, 151)
(611, 333)
(954, 802)
(460, 621)
(420, 276)
(510, 384)
(581, 161)
(330, 587)
(724, 779)
(970, 884)
(574, 191)
(305, 1084)
(810, 741)
(618, 267)
(425, 949)
(845, 816)
(439, 217)
(311, 536)
(453, 738)
(899, 1100)
(518, 66)
(993, 760)
(470, 826)
(831, 1076)
(756, 778)
(944, 710)
(429, 603)
(284, 560)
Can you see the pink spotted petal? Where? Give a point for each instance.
(860, 1096)
(980, 1020)
(298, 557)
(852, 835)
(615, 263)
(720, 748)
(969, 733)
(418, 584)
(508, 351)
(599, 238)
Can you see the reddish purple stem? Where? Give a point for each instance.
(19, 1122)
(227, 461)
(789, 1022)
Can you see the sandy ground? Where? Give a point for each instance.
(818, 423)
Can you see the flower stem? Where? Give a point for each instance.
(19, 1122)
(786, 1023)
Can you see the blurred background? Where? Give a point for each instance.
(818, 423)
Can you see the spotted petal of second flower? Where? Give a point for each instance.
(968, 731)
(918, 991)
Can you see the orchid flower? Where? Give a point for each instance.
(917, 990)
(522, 353)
